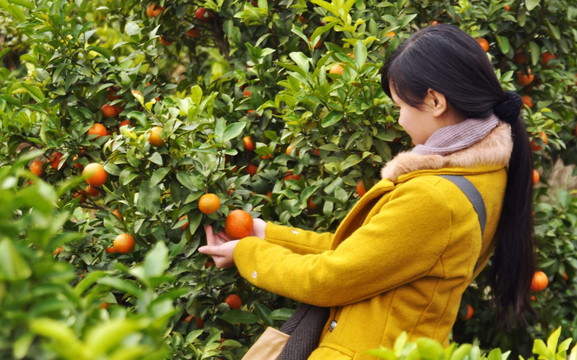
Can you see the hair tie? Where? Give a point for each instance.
(509, 108)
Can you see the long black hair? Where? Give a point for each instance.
(448, 60)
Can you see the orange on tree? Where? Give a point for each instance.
(234, 301)
(248, 143)
(336, 69)
(291, 150)
(94, 174)
(164, 41)
(185, 225)
(519, 57)
(536, 176)
(124, 123)
(154, 10)
(469, 314)
(123, 243)
(238, 224)
(247, 93)
(109, 110)
(251, 169)
(76, 161)
(58, 250)
(118, 214)
(524, 79)
(97, 129)
(111, 250)
(539, 282)
(193, 32)
(311, 204)
(527, 100)
(209, 203)
(484, 43)
(544, 139)
(155, 138)
(197, 319)
(361, 189)
(55, 159)
(37, 167)
(202, 14)
(546, 57)
(92, 190)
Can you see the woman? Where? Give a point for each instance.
(404, 255)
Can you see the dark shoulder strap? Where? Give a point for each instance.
(472, 194)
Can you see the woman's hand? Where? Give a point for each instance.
(221, 247)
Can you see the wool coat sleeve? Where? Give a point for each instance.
(402, 241)
(298, 240)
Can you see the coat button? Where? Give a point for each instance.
(333, 325)
(295, 232)
(254, 274)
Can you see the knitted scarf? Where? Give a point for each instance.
(452, 138)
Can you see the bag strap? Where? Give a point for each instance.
(473, 195)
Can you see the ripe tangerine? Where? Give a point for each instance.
(469, 314)
(37, 167)
(97, 129)
(108, 110)
(527, 100)
(361, 189)
(55, 160)
(94, 174)
(484, 43)
(336, 69)
(544, 139)
(248, 144)
(524, 79)
(239, 224)
(540, 281)
(154, 10)
(536, 177)
(124, 243)
(208, 203)
(155, 138)
(234, 301)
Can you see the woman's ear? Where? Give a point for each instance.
(437, 102)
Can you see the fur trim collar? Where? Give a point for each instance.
(495, 149)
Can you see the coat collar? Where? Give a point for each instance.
(493, 150)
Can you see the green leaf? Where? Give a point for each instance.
(35, 92)
(156, 261)
(22, 345)
(531, 4)
(301, 60)
(233, 130)
(61, 334)
(158, 175)
(429, 349)
(16, 12)
(360, 52)
(504, 44)
(13, 267)
(122, 285)
(90, 279)
(149, 198)
(103, 337)
(239, 317)
(331, 118)
(132, 28)
(535, 52)
(539, 348)
(553, 340)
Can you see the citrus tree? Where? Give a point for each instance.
(146, 121)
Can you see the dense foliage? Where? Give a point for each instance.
(276, 108)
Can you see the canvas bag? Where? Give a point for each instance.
(300, 334)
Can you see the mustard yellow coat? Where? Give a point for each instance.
(399, 261)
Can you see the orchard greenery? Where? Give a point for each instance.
(210, 74)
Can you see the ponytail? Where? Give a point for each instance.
(513, 262)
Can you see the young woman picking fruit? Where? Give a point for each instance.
(406, 252)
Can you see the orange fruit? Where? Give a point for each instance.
(80, 194)
(544, 139)
(390, 34)
(97, 129)
(234, 301)
(520, 57)
(290, 149)
(164, 41)
(55, 160)
(247, 93)
(248, 144)
(546, 57)
(251, 169)
(527, 100)
(361, 189)
(154, 10)
(540, 281)
(208, 203)
(111, 96)
(238, 224)
(185, 225)
(199, 321)
(469, 314)
(201, 14)
(111, 250)
(94, 174)
(484, 43)
(108, 110)
(58, 250)
(193, 32)
(118, 214)
(37, 167)
(536, 177)
(77, 164)
(124, 243)
(311, 204)
(290, 176)
(507, 7)
(155, 138)
(124, 123)
(92, 191)
(336, 69)
(524, 79)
